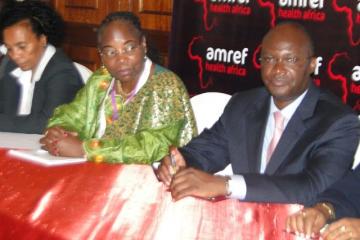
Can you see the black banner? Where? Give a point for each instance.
(215, 44)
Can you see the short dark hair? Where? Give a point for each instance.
(44, 20)
(121, 16)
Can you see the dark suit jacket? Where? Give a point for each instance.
(345, 195)
(316, 148)
(58, 85)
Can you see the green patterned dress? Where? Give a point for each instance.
(158, 116)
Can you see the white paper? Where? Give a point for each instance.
(19, 140)
(42, 157)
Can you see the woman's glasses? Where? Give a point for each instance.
(110, 52)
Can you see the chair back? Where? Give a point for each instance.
(208, 107)
(3, 49)
(85, 72)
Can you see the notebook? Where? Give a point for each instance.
(42, 157)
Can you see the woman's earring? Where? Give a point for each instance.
(145, 57)
(103, 69)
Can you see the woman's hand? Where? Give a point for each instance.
(343, 229)
(307, 222)
(70, 146)
(51, 137)
(60, 142)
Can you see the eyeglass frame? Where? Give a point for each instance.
(124, 51)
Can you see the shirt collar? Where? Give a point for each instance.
(289, 110)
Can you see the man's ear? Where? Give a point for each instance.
(312, 65)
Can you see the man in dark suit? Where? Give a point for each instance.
(340, 202)
(319, 134)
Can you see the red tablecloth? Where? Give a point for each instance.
(104, 201)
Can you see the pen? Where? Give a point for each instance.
(324, 228)
(173, 164)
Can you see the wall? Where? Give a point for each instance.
(83, 16)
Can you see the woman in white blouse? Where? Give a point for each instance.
(38, 77)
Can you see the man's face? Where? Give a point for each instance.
(25, 48)
(286, 64)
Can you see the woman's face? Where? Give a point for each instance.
(122, 51)
(24, 47)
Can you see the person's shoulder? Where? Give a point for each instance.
(165, 77)
(252, 93)
(250, 96)
(164, 72)
(60, 62)
(7, 65)
(60, 56)
(331, 104)
(247, 101)
(100, 77)
(321, 108)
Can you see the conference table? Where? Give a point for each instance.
(115, 201)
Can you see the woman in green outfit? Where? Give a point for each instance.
(130, 111)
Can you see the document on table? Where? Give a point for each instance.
(19, 140)
(42, 157)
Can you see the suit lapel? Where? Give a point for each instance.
(13, 95)
(289, 138)
(293, 130)
(38, 93)
(255, 122)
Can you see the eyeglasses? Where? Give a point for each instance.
(110, 52)
(288, 60)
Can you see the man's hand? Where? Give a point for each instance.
(184, 181)
(193, 182)
(345, 228)
(307, 222)
(165, 170)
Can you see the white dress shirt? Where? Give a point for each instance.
(237, 184)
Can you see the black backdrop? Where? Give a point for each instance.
(215, 43)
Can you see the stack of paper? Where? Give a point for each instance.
(42, 157)
(19, 140)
